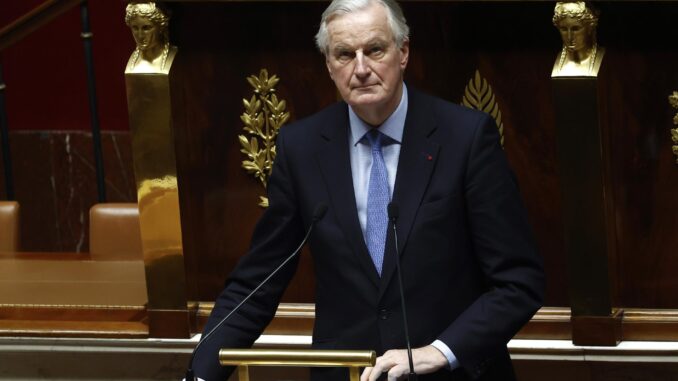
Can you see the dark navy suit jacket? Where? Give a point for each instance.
(471, 273)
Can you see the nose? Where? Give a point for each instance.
(362, 69)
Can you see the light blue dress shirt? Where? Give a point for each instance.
(361, 165)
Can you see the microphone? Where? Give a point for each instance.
(318, 214)
(393, 213)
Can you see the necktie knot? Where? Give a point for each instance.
(375, 138)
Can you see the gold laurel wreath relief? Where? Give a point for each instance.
(673, 100)
(478, 95)
(264, 115)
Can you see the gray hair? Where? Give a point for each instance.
(394, 14)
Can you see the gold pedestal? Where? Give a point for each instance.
(148, 98)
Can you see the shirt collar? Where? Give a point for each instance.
(392, 127)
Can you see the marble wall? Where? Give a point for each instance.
(55, 184)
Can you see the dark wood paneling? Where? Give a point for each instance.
(220, 198)
(219, 47)
(539, 370)
(514, 46)
(642, 73)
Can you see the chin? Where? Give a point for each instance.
(366, 99)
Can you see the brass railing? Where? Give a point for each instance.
(244, 358)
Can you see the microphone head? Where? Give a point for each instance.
(393, 211)
(319, 211)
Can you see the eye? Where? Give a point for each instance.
(344, 55)
(376, 51)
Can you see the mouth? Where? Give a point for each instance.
(363, 87)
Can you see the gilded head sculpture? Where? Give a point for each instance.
(576, 23)
(148, 24)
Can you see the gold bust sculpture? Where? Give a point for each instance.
(149, 24)
(581, 56)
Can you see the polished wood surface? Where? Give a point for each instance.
(44, 255)
(71, 295)
(70, 279)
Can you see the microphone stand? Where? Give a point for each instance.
(393, 216)
(318, 213)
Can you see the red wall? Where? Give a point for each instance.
(45, 72)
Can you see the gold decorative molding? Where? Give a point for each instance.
(71, 306)
(264, 115)
(673, 100)
(478, 95)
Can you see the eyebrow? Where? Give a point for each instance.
(341, 47)
(376, 41)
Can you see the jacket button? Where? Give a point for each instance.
(383, 314)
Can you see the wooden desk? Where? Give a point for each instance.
(69, 294)
(70, 279)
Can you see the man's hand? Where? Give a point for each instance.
(426, 359)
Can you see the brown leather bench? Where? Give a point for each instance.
(114, 232)
(9, 226)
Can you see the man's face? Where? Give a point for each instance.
(576, 35)
(364, 61)
(145, 33)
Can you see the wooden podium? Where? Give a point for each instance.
(244, 358)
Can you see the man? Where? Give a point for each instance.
(471, 274)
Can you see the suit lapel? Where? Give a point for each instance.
(335, 164)
(418, 156)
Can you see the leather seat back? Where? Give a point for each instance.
(9, 226)
(114, 232)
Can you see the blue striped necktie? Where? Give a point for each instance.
(378, 197)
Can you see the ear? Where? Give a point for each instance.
(404, 54)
